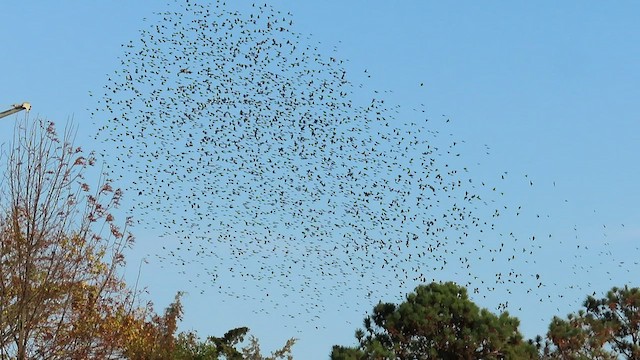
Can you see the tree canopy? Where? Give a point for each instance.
(158, 339)
(607, 328)
(61, 294)
(437, 321)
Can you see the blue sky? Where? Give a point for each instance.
(550, 88)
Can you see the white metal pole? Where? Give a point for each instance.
(16, 108)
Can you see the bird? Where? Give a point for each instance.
(271, 164)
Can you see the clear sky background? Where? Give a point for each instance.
(551, 88)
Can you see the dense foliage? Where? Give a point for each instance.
(607, 328)
(437, 321)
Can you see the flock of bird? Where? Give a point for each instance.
(258, 159)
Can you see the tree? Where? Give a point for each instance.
(252, 350)
(156, 338)
(608, 328)
(437, 321)
(61, 296)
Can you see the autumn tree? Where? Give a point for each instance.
(437, 321)
(607, 328)
(61, 295)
